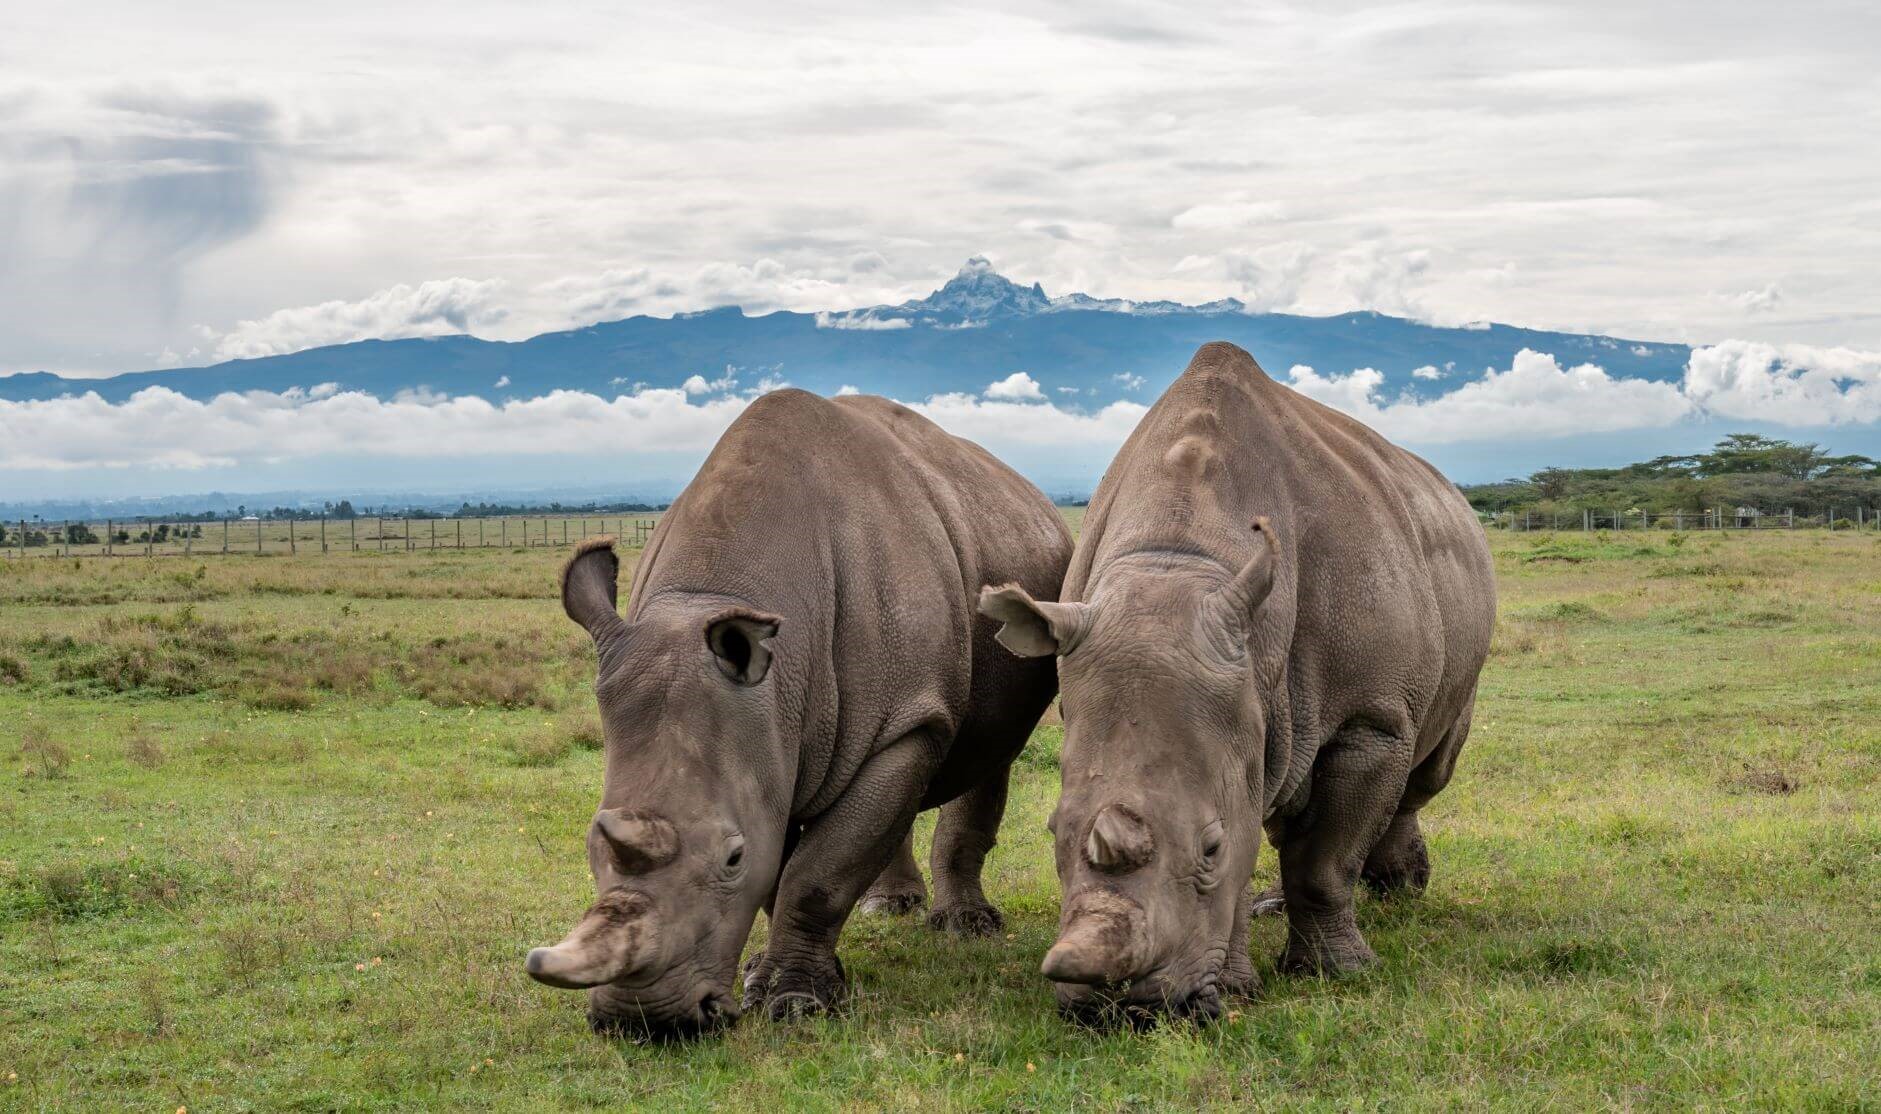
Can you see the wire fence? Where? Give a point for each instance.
(146, 537)
(1714, 518)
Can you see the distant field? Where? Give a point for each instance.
(275, 834)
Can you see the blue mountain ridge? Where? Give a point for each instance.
(977, 328)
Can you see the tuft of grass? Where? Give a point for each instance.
(583, 731)
(13, 669)
(43, 755)
(143, 748)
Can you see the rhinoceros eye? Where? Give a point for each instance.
(1211, 844)
(734, 852)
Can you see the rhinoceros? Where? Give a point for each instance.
(1273, 617)
(799, 672)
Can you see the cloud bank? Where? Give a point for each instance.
(1534, 398)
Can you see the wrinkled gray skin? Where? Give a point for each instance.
(799, 672)
(1278, 619)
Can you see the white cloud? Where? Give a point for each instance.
(827, 320)
(847, 389)
(1228, 214)
(1128, 381)
(439, 307)
(501, 382)
(1535, 398)
(1065, 390)
(1002, 425)
(258, 427)
(700, 385)
(230, 430)
(1764, 299)
(1017, 387)
(1789, 384)
(1428, 371)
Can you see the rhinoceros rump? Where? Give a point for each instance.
(1274, 617)
(799, 672)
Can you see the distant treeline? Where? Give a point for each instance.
(1743, 470)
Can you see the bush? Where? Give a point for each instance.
(45, 757)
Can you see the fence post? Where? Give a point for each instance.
(505, 531)
(352, 530)
(460, 533)
(1792, 517)
(323, 532)
(291, 547)
(480, 533)
(22, 539)
(434, 533)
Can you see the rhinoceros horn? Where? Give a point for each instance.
(614, 939)
(1103, 941)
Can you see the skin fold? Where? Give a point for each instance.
(799, 672)
(1274, 619)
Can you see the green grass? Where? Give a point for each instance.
(276, 832)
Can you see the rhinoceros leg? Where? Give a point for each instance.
(1400, 863)
(1358, 780)
(968, 828)
(841, 851)
(900, 888)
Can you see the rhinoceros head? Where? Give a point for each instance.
(1156, 827)
(688, 840)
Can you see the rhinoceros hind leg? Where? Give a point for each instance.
(1399, 864)
(968, 828)
(899, 890)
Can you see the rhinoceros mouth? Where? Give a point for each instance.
(1140, 1004)
(712, 1012)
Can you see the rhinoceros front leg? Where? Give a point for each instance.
(1358, 779)
(968, 828)
(900, 888)
(841, 851)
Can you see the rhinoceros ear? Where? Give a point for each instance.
(1032, 629)
(736, 639)
(589, 589)
(1250, 587)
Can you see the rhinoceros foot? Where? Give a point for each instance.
(797, 990)
(967, 919)
(1327, 954)
(892, 904)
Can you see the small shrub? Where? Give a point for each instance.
(276, 695)
(1566, 611)
(542, 748)
(144, 749)
(12, 669)
(1772, 781)
(44, 756)
(583, 731)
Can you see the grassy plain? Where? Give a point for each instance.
(276, 832)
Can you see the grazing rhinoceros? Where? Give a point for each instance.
(1273, 616)
(799, 672)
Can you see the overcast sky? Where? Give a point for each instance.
(1670, 171)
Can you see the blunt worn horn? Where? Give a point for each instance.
(1119, 841)
(613, 940)
(1104, 941)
